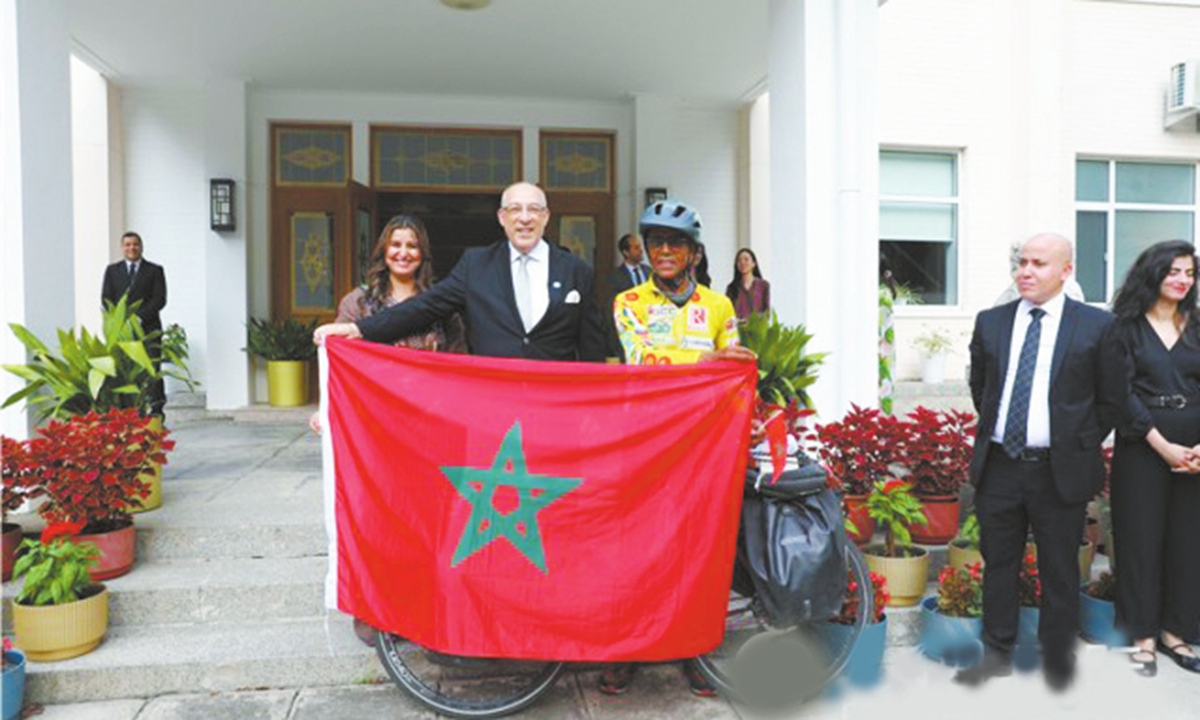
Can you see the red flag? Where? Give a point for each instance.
(541, 510)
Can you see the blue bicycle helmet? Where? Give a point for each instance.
(673, 215)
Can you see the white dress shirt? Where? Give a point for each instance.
(633, 271)
(539, 278)
(1037, 428)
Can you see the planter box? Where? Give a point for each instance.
(864, 668)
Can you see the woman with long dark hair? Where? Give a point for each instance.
(401, 268)
(1154, 348)
(748, 291)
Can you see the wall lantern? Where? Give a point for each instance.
(220, 211)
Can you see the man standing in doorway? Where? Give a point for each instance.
(1044, 408)
(145, 282)
(523, 298)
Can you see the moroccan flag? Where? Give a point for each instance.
(537, 510)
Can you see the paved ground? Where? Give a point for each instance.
(914, 687)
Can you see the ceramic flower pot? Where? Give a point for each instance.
(117, 548)
(1097, 622)
(1027, 625)
(942, 513)
(958, 556)
(12, 538)
(907, 576)
(14, 684)
(947, 639)
(287, 383)
(864, 667)
(856, 511)
(58, 632)
(153, 477)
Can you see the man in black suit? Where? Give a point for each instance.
(633, 271)
(523, 298)
(1044, 408)
(144, 282)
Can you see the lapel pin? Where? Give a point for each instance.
(556, 284)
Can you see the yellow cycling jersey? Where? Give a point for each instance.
(655, 331)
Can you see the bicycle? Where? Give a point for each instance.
(463, 687)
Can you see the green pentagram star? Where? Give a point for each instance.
(520, 527)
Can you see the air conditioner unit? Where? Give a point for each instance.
(1184, 91)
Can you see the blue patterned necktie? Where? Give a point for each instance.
(637, 275)
(1018, 404)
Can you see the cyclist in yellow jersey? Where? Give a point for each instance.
(671, 320)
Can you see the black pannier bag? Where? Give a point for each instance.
(791, 544)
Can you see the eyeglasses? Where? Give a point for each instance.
(518, 209)
(673, 242)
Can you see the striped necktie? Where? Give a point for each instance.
(1016, 424)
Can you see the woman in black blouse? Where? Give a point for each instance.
(1155, 349)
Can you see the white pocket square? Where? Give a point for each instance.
(572, 298)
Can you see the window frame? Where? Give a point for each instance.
(956, 153)
(1111, 207)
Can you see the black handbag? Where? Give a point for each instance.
(792, 545)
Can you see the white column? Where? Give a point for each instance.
(824, 189)
(36, 229)
(226, 290)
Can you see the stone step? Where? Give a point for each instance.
(213, 591)
(149, 660)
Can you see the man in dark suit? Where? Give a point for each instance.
(633, 271)
(1044, 408)
(523, 298)
(144, 282)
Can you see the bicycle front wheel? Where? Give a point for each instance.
(464, 687)
(771, 668)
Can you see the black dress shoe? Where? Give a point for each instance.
(1191, 663)
(992, 665)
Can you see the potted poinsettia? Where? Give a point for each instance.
(859, 450)
(60, 611)
(19, 486)
(92, 470)
(893, 506)
(952, 620)
(937, 454)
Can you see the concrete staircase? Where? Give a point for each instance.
(227, 592)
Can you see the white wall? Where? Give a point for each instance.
(89, 146)
(692, 150)
(166, 201)
(1022, 88)
(35, 182)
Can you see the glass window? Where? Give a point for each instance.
(1157, 184)
(918, 222)
(1121, 209)
(1091, 180)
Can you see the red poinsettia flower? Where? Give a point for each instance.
(892, 485)
(53, 530)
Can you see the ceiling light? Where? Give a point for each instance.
(466, 4)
